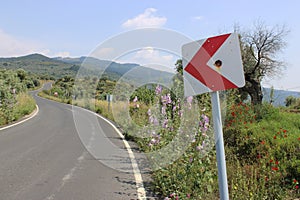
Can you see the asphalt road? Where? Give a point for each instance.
(46, 159)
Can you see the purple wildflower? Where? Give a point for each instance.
(205, 118)
(204, 129)
(174, 108)
(166, 99)
(165, 123)
(155, 139)
(180, 113)
(189, 101)
(204, 123)
(155, 122)
(200, 123)
(158, 89)
(169, 100)
(151, 119)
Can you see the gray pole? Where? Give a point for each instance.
(217, 120)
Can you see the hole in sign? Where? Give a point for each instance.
(218, 63)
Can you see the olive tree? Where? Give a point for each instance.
(259, 48)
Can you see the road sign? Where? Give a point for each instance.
(212, 64)
(109, 97)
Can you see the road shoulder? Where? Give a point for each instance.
(22, 120)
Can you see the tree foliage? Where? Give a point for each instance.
(13, 83)
(260, 47)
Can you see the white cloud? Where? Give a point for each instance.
(11, 46)
(152, 58)
(146, 19)
(198, 18)
(105, 53)
(63, 54)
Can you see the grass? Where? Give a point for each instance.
(24, 106)
(263, 155)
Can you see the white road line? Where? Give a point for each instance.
(141, 192)
(20, 122)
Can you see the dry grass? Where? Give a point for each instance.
(24, 106)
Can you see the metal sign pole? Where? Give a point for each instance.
(217, 120)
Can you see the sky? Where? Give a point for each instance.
(69, 28)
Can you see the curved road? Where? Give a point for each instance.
(44, 159)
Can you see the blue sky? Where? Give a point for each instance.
(75, 28)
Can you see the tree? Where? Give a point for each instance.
(290, 100)
(177, 87)
(259, 49)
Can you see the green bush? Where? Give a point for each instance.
(263, 153)
(14, 103)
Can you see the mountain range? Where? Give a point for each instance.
(58, 67)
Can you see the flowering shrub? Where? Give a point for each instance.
(193, 174)
(263, 153)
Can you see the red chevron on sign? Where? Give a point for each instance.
(214, 62)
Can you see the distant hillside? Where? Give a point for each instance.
(96, 64)
(38, 64)
(59, 67)
(129, 71)
(279, 96)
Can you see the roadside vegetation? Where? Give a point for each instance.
(15, 103)
(293, 104)
(262, 142)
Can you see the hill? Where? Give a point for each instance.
(38, 64)
(130, 72)
(279, 96)
(99, 65)
(59, 67)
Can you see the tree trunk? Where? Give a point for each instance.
(253, 88)
(255, 92)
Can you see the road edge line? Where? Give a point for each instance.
(24, 120)
(141, 192)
